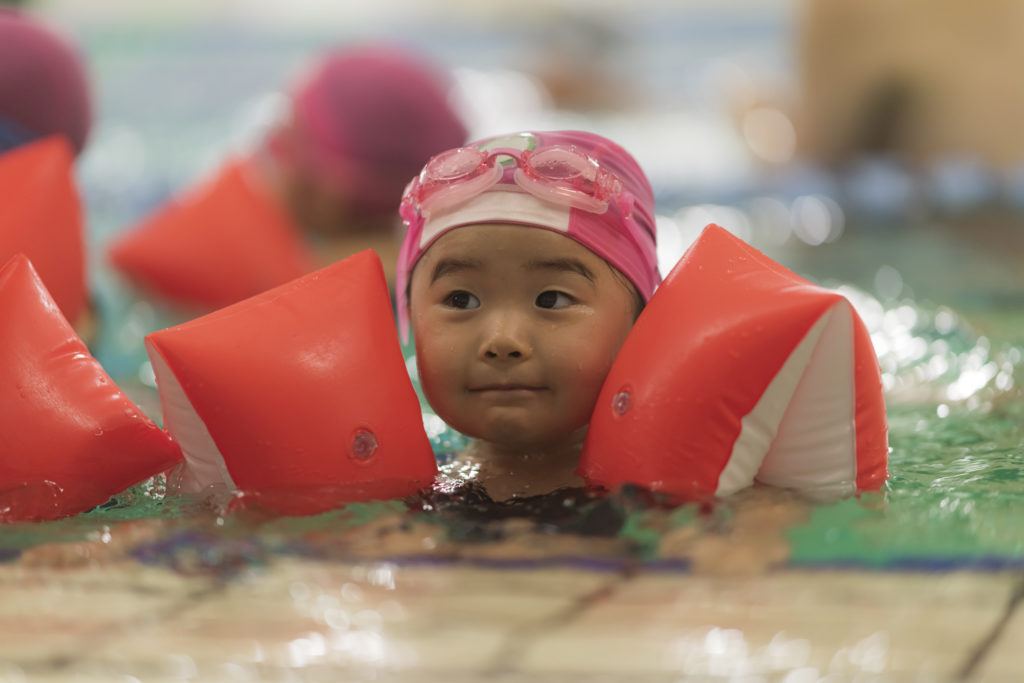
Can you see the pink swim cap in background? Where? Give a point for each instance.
(43, 85)
(365, 119)
(622, 232)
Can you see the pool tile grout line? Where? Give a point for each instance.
(992, 637)
(520, 639)
(63, 663)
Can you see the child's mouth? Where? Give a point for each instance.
(506, 389)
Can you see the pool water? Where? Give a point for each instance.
(953, 500)
(950, 348)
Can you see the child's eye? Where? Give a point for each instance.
(461, 299)
(553, 299)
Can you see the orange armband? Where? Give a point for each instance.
(219, 243)
(41, 217)
(298, 396)
(69, 438)
(739, 371)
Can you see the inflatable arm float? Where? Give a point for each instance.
(69, 438)
(298, 396)
(219, 243)
(739, 371)
(41, 217)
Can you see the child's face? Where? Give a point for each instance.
(516, 329)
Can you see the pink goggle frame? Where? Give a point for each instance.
(560, 174)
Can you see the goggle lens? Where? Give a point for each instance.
(454, 165)
(559, 165)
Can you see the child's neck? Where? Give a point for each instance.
(508, 471)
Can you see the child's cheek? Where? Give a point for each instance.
(599, 365)
(593, 362)
(436, 369)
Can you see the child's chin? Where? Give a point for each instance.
(525, 437)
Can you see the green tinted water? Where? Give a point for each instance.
(956, 493)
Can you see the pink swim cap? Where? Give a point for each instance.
(43, 86)
(364, 119)
(623, 233)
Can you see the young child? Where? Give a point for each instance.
(361, 120)
(526, 261)
(44, 87)
(45, 94)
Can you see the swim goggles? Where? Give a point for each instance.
(560, 174)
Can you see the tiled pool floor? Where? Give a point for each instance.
(297, 619)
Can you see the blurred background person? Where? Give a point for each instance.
(362, 121)
(44, 89)
(45, 121)
(924, 80)
(920, 95)
(321, 185)
(577, 58)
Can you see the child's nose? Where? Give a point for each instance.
(506, 339)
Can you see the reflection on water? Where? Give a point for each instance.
(723, 652)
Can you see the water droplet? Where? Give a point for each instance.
(622, 402)
(364, 445)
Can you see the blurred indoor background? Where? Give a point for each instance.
(179, 84)
(790, 122)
